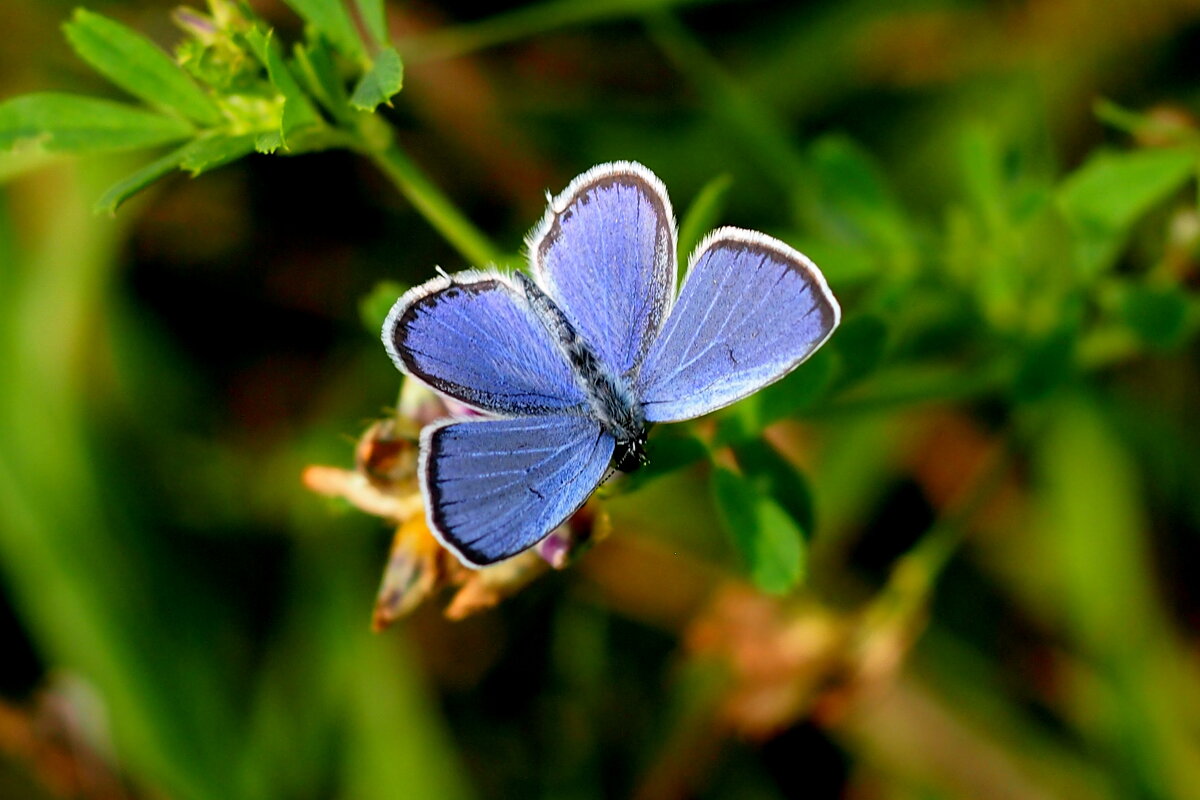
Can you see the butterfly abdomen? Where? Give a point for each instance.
(610, 397)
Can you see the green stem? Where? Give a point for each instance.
(434, 206)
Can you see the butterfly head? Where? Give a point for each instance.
(630, 455)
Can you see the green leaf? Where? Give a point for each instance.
(374, 17)
(855, 204)
(298, 112)
(770, 544)
(73, 124)
(843, 264)
(1045, 365)
(331, 20)
(776, 477)
(268, 142)
(701, 217)
(381, 82)
(137, 65)
(18, 162)
(1111, 192)
(671, 450)
(981, 163)
(860, 344)
(314, 64)
(797, 391)
(209, 152)
(373, 308)
(127, 187)
(1158, 315)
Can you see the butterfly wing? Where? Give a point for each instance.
(750, 311)
(496, 487)
(605, 252)
(475, 338)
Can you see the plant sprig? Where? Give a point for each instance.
(231, 89)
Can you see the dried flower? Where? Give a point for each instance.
(384, 484)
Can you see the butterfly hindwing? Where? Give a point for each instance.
(475, 338)
(751, 309)
(605, 252)
(496, 487)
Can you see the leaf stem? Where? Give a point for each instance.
(429, 200)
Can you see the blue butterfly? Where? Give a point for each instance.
(573, 363)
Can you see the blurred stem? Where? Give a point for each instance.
(64, 534)
(523, 23)
(1140, 124)
(438, 209)
(1118, 117)
(762, 132)
(1103, 347)
(916, 573)
(948, 386)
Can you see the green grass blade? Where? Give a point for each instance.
(1093, 521)
(82, 569)
(701, 217)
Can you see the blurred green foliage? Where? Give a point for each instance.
(954, 555)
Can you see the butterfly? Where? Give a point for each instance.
(571, 362)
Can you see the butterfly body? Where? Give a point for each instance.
(572, 362)
(609, 396)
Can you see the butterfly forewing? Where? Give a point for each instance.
(751, 310)
(475, 338)
(605, 252)
(496, 487)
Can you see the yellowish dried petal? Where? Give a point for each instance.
(417, 567)
(359, 492)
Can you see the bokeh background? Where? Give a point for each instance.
(995, 463)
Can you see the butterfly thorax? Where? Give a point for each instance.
(608, 393)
